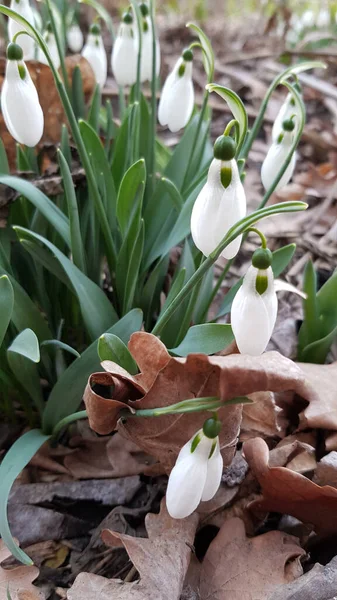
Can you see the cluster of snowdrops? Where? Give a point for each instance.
(220, 204)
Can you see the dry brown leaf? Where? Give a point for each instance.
(107, 457)
(322, 410)
(287, 492)
(326, 472)
(164, 380)
(162, 561)
(18, 580)
(262, 418)
(296, 452)
(238, 568)
(49, 98)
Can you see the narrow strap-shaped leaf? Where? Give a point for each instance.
(4, 166)
(77, 249)
(95, 107)
(110, 347)
(6, 304)
(78, 101)
(17, 457)
(207, 338)
(50, 211)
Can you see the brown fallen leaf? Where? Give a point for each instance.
(296, 452)
(49, 98)
(319, 584)
(262, 418)
(326, 471)
(238, 568)
(287, 492)
(107, 457)
(322, 410)
(18, 581)
(164, 380)
(162, 561)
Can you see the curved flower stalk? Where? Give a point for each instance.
(288, 110)
(125, 53)
(75, 38)
(95, 54)
(147, 46)
(177, 97)
(50, 40)
(254, 307)
(23, 8)
(276, 157)
(197, 473)
(19, 100)
(221, 202)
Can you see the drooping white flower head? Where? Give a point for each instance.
(52, 47)
(147, 46)
(177, 96)
(254, 307)
(19, 100)
(125, 53)
(23, 8)
(221, 202)
(323, 18)
(276, 156)
(75, 38)
(196, 475)
(95, 54)
(288, 110)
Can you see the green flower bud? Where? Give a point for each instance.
(224, 148)
(95, 29)
(262, 258)
(14, 51)
(212, 427)
(144, 9)
(127, 18)
(288, 125)
(187, 55)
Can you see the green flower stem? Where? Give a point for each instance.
(290, 72)
(188, 406)
(195, 139)
(59, 48)
(260, 234)
(82, 414)
(231, 235)
(140, 37)
(231, 124)
(85, 159)
(216, 289)
(297, 137)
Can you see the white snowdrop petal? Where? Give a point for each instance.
(276, 156)
(249, 317)
(187, 479)
(177, 98)
(20, 106)
(287, 111)
(75, 38)
(25, 41)
(94, 53)
(270, 301)
(124, 56)
(214, 474)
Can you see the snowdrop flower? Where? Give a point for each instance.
(254, 307)
(75, 38)
(147, 49)
(23, 8)
(125, 53)
(197, 473)
(52, 47)
(288, 110)
(221, 202)
(19, 100)
(277, 154)
(95, 54)
(323, 18)
(177, 97)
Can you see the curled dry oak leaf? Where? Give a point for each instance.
(164, 380)
(17, 581)
(322, 410)
(290, 493)
(238, 568)
(161, 560)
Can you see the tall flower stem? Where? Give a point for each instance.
(59, 47)
(153, 121)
